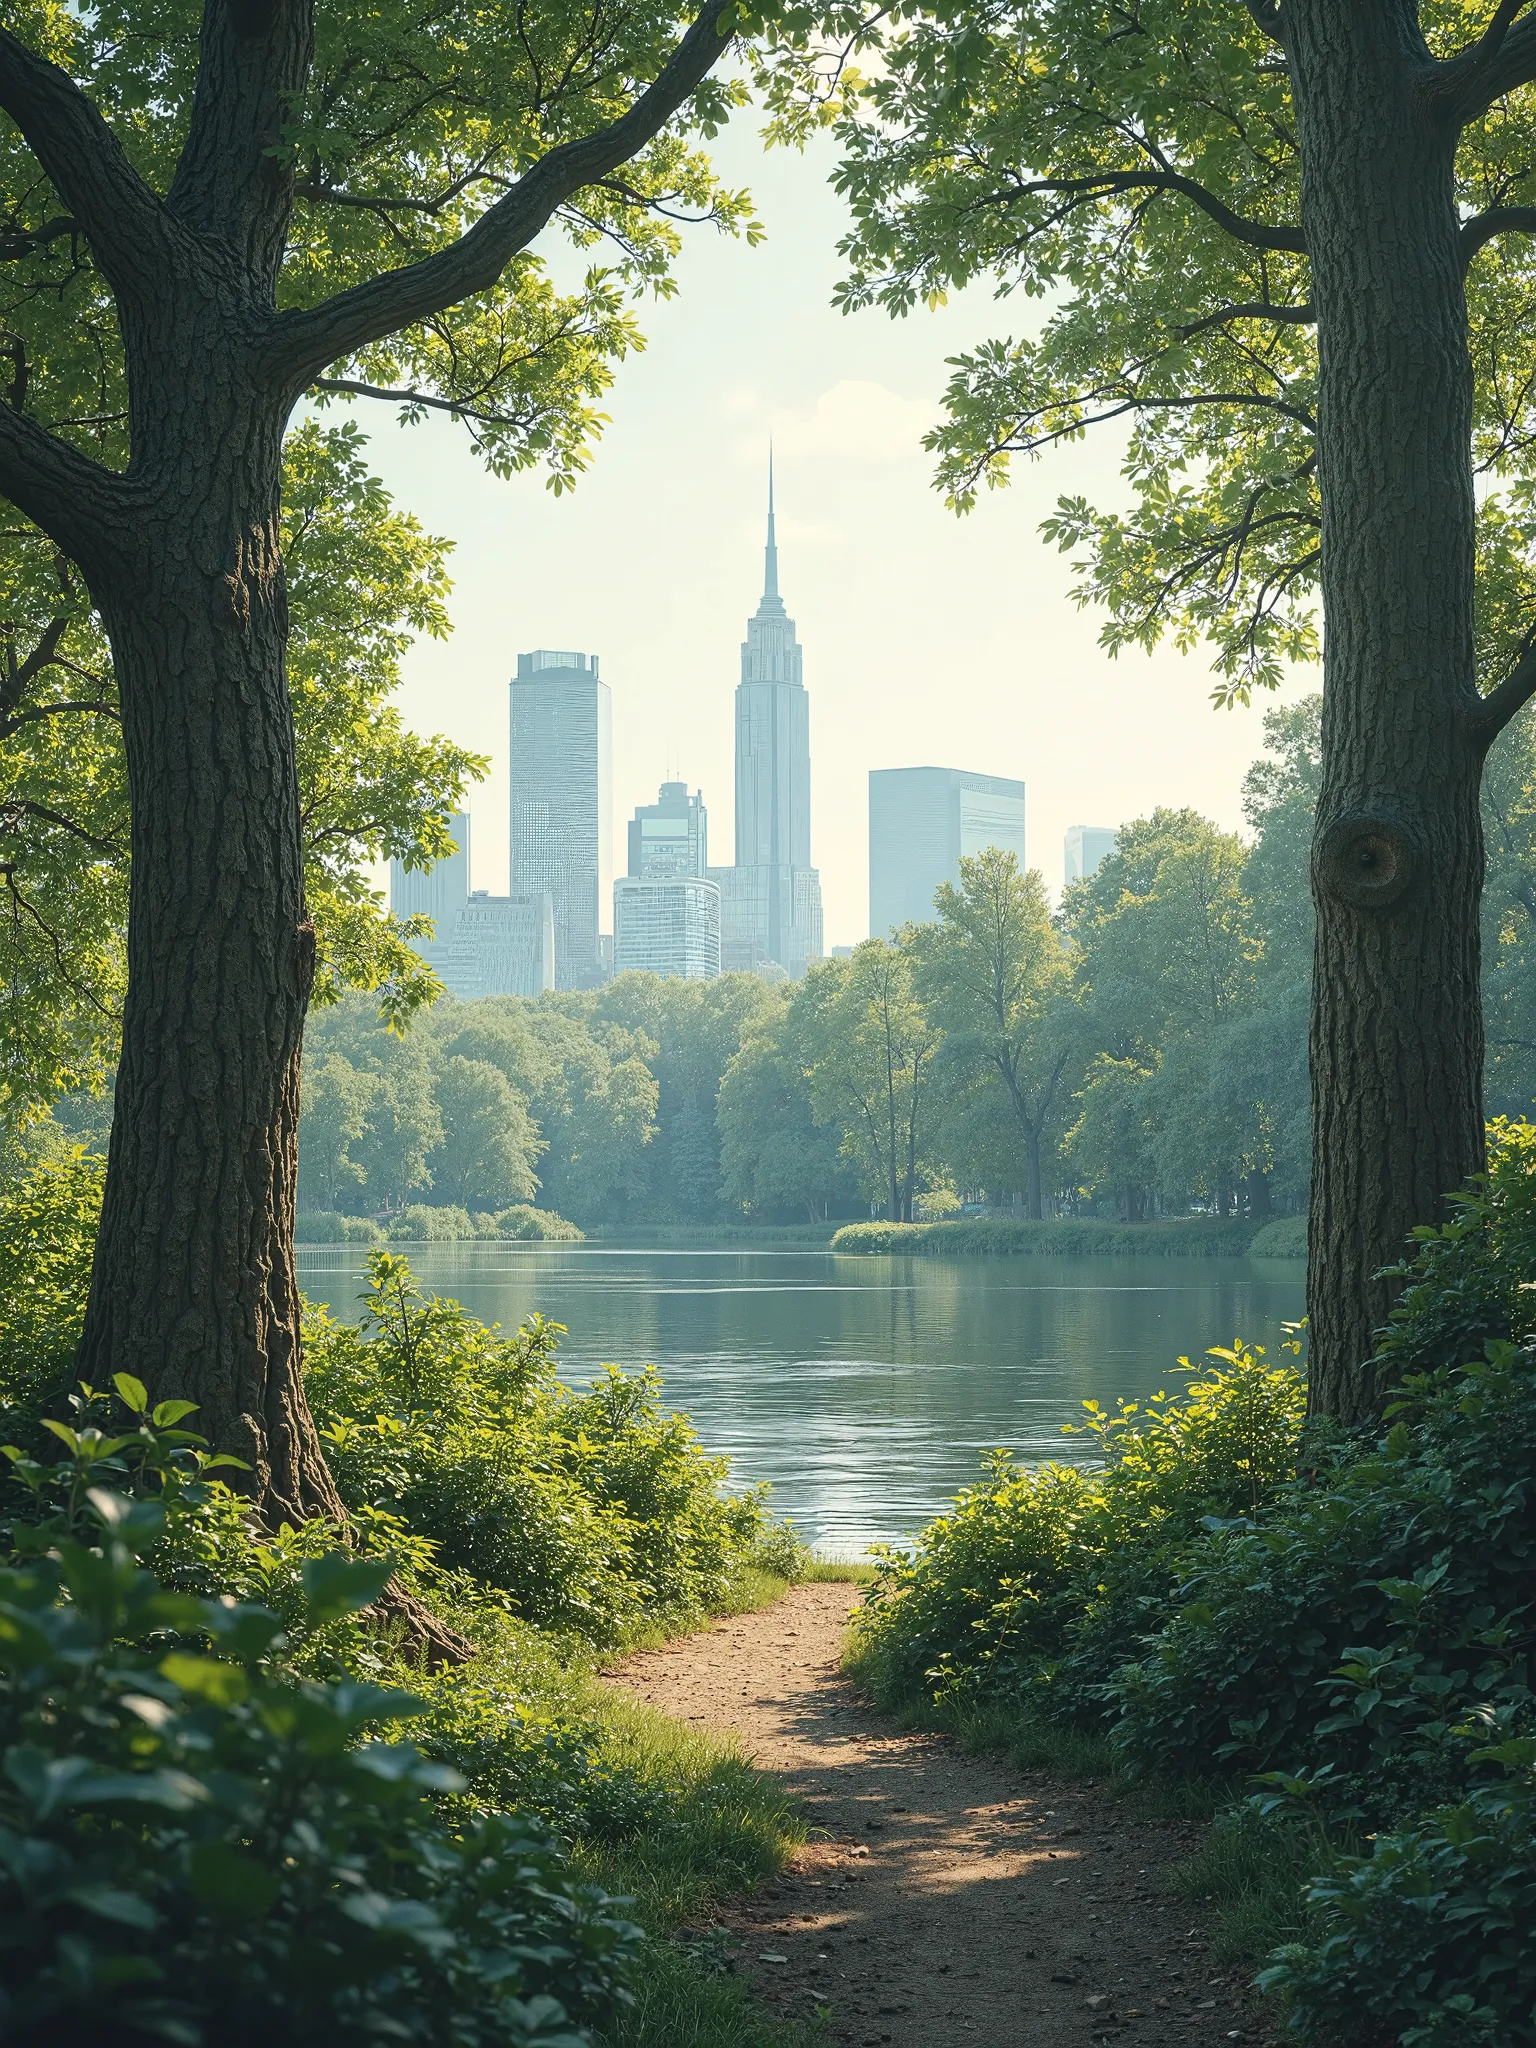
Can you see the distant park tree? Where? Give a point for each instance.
(1285, 248)
(207, 213)
(871, 1068)
(992, 973)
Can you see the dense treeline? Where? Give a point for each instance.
(1139, 1050)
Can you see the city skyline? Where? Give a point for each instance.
(929, 638)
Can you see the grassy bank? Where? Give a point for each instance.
(721, 1236)
(1194, 1237)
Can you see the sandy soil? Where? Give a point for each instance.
(942, 1898)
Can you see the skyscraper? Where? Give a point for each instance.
(670, 836)
(921, 820)
(771, 899)
(437, 892)
(562, 801)
(481, 945)
(1085, 846)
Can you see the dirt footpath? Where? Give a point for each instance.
(942, 1897)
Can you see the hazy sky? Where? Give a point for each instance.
(928, 639)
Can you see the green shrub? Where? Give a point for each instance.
(1285, 1238)
(1372, 1608)
(317, 1226)
(1040, 1582)
(48, 1219)
(419, 1224)
(523, 1220)
(1431, 1933)
(589, 1512)
(197, 1845)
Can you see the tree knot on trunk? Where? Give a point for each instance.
(1366, 859)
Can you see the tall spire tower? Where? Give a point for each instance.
(771, 906)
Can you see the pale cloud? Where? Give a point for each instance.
(853, 421)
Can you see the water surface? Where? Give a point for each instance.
(863, 1389)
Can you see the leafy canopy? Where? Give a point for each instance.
(1135, 170)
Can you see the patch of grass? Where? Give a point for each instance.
(823, 1571)
(688, 2001)
(720, 1827)
(1254, 1873)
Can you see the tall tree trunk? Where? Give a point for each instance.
(1396, 1030)
(194, 1288)
(1034, 1200)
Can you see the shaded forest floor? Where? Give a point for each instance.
(943, 1896)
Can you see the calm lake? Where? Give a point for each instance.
(863, 1389)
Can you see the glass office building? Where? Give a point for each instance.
(562, 801)
(921, 820)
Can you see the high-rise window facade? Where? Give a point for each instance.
(1085, 847)
(562, 801)
(921, 821)
(667, 924)
(481, 945)
(670, 836)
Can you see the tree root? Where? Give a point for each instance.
(424, 1637)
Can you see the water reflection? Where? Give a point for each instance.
(863, 1389)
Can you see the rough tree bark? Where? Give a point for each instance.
(194, 1287)
(1396, 1029)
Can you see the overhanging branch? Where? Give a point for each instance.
(1502, 58)
(86, 165)
(301, 344)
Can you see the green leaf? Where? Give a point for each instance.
(131, 1392)
(231, 1883)
(207, 1678)
(168, 1412)
(336, 1584)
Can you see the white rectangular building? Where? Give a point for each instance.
(666, 924)
(921, 821)
(1085, 846)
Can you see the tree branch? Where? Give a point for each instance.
(300, 344)
(26, 241)
(41, 811)
(464, 409)
(1484, 719)
(1503, 57)
(1104, 184)
(1284, 316)
(72, 498)
(1496, 220)
(17, 720)
(86, 165)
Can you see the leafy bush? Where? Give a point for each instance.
(1041, 1581)
(1372, 1608)
(1431, 1933)
(523, 1220)
(1285, 1238)
(326, 1226)
(587, 1511)
(419, 1224)
(198, 1845)
(48, 1218)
